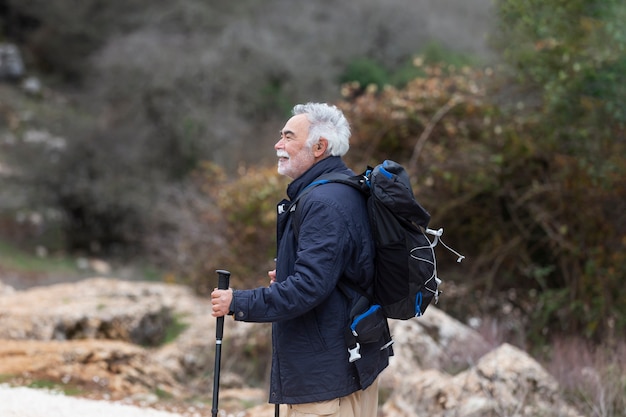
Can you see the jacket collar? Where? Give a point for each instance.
(330, 164)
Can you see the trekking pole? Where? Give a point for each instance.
(222, 284)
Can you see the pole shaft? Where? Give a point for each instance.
(222, 284)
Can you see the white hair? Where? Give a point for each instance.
(327, 122)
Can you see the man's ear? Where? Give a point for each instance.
(320, 147)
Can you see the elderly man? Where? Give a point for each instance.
(326, 241)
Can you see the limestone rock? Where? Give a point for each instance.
(506, 381)
(97, 308)
(434, 341)
(11, 64)
(115, 368)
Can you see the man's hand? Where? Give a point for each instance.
(272, 275)
(221, 300)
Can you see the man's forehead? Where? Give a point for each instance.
(298, 124)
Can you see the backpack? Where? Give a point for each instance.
(405, 278)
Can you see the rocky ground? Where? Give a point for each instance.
(104, 340)
(150, 347)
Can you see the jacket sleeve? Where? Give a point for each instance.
(324, 245)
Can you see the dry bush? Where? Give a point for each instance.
(247, 213)
(440, 127)
(166, 86)
(440, 109)
(215, 222)
(187, 237)
(217, 77)
(528, 215)
(592, 377)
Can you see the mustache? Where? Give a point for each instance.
(282, 154)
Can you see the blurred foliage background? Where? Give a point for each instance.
(151, 138)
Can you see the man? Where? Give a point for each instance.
(324, 242)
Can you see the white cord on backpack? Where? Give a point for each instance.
(437, 234)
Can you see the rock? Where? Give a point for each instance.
(32, 86)
(506, 381)
(116, 368)
(97, 308)
(6, 289)
(434, 341)
(11, 64)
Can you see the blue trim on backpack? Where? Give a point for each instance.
(382, 170)
(314, 183)
(360, 317)
(418, 304)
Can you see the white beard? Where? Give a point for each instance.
(296, 165)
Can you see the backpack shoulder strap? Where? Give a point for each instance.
(357, 181)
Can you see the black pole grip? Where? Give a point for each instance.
(223, 278)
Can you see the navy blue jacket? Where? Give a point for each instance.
(309, 313)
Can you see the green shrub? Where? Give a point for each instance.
(365, 72)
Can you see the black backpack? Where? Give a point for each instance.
(405, 280)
